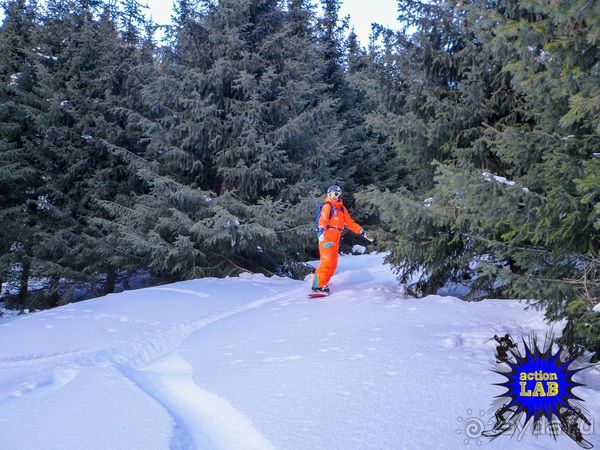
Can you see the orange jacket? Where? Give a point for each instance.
(339, 220)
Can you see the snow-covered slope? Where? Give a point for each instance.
(251, 362)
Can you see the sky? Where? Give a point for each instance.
(362, 14)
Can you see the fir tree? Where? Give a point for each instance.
(331, 32)
(243, 128)
(88, 79)
(21, 169)
(132, 18)
(509, 210)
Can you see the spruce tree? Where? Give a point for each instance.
(507, 88)
(21, 166)
(242, 129)
(364, 142)
(331, 30)
(91, 74)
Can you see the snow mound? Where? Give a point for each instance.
(358, 249)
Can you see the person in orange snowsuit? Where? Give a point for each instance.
(334, 217)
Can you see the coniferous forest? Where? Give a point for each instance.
(467, 141)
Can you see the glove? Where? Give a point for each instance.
(363, 234)
(321, 234)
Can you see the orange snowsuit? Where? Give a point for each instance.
(333, 222)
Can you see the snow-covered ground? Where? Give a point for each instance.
(6, 313)
(251, 362)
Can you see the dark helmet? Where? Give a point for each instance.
(334, 191)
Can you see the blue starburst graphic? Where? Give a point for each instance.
(539, 383)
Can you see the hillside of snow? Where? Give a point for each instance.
(251, 362)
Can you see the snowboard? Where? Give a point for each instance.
(496, 431)
(584, 443)
(317, 295)
(578, 438)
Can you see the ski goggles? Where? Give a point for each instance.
(334, 194)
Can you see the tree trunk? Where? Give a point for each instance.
(514, 267)
(54, 293)
(111, 279)
(24, 285)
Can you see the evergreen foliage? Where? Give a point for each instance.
(468, 140)
(496, 126)
(21, 169)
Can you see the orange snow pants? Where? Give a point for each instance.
(328, 253)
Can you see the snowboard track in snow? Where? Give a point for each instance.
(199, 415)
(26, 360)
(201, 418)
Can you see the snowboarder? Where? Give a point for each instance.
(332, 220)
(502, 425)
(569, 423)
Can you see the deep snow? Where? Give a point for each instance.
(251, 362)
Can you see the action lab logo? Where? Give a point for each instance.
(539, 389)
(550, 380)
